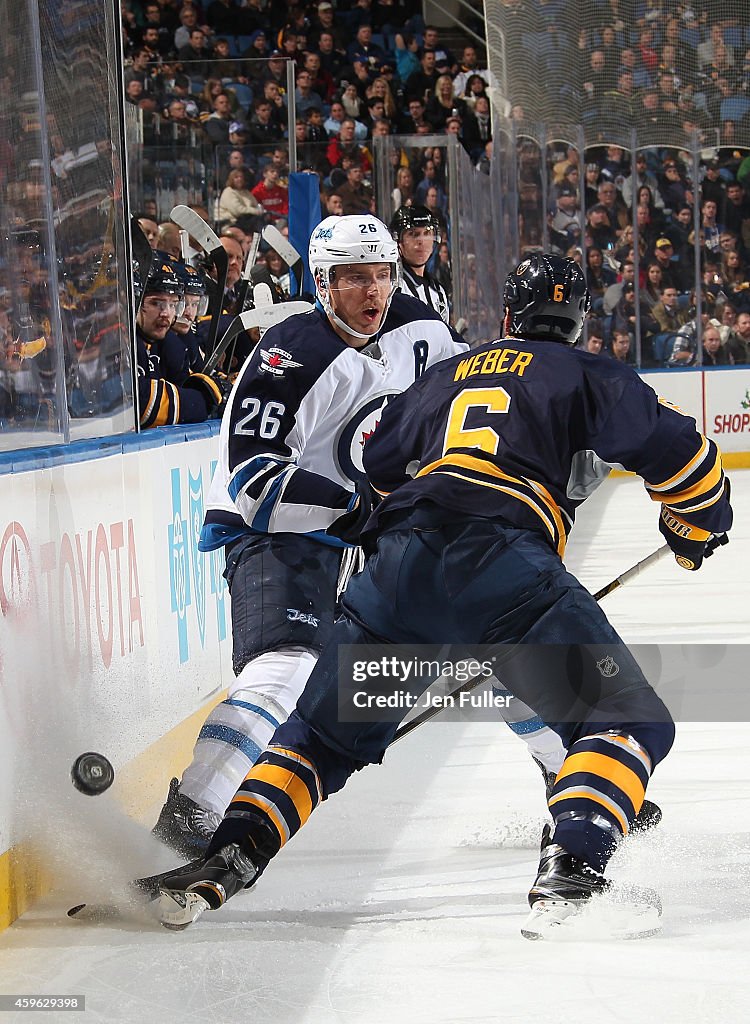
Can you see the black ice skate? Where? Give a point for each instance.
(183, 825)
(189, 891)
(648, 816)
(566, 886)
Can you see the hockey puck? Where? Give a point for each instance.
(92, 773)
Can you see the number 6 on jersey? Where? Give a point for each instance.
(458, 435)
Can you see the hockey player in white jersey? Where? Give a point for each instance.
(417, 233)
(290, 455)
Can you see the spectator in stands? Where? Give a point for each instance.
(671, 271)
(422, 83)
(323, 23)
(596, 81)
(667, 312)
(674, 186)
(734, 280)
(212, 88)
(565, 224)
(363, 50)
(407, 59)
(618, 105)
(642, 177)
(679, 231)
(445, 62)
(651, 291)
(332, 60)
(475, 87)
(738, 344)
(305, 96)
(263, 131)
(443, 104)
(434, 200)
(237, 205)
(194, 55)
(188, 17)
(403, 193)
(322, 81)
(626, 315)
(345, 146)
(277, 98)
(351, 100)
(334, 205)
(477, 127)
(381, 88)
(613, 293)
(470, 70)
(714, 353)
(599, 227)
(593, 341)
(736, 213)
(713, 186)
(620, 346)
(356, 196)
(415, 120)
(591, 184)
(714, 51)
(273, 197)
(599, 277)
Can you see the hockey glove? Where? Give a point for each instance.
(214, 387)
(349, 526)
(689, 544)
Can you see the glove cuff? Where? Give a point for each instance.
(207, 382)
(681, 528)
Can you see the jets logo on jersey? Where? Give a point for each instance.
(276, 361)
(356, 430)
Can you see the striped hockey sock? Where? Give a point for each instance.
(278, 796)
(597, 794)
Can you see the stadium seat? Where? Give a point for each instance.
(243, 93)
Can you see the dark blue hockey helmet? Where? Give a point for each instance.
(162, 278)
(546, 299)
(193, 283)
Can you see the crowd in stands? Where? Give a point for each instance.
(677, 74)
(217, 72)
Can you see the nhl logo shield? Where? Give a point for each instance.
(608, 667)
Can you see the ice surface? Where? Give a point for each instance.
(402, 899)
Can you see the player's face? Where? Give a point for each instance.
(416, 246)
(188, 316)
(156, 315)
(359, 295)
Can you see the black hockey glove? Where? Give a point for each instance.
(690, 545)
(349, 526)
(214, 387)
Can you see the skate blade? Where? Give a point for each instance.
(177, 910)
(595, 919)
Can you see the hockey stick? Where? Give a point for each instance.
(471, 684)
(244, 285)
(208, 240)
(286, 251)
(263, 317)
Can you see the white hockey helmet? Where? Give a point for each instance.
(356, 239)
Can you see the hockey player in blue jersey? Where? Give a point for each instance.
(481, 466)
(168, 391)
(291, 449)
